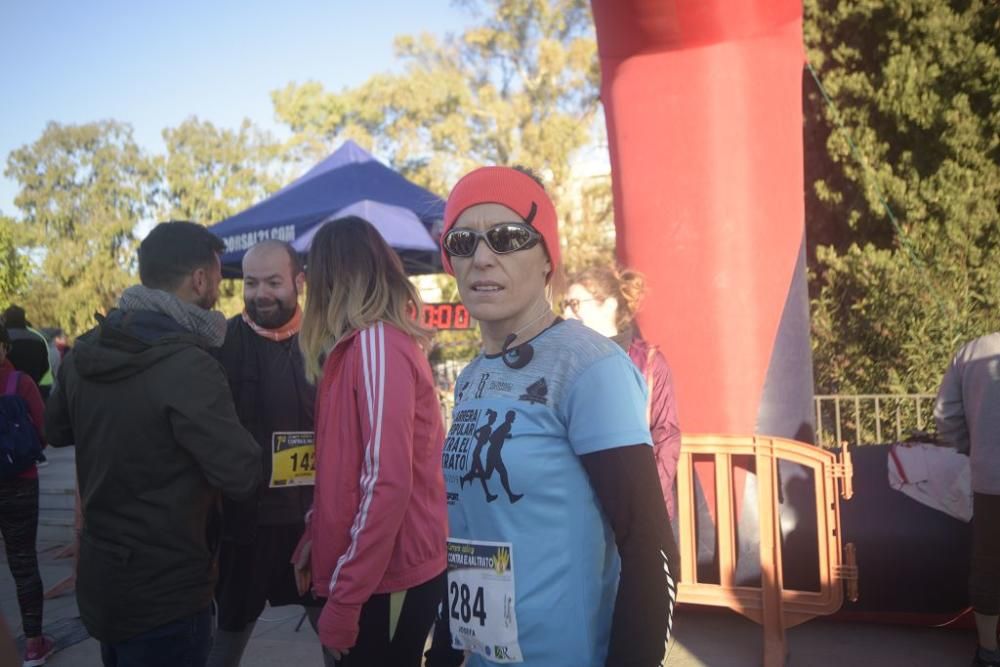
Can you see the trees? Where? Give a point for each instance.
(518, 87)
(210, 173)
(13, 265)
(83, 190)
(916, 86)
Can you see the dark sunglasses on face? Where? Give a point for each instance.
(503, 238)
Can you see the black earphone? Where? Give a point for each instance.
(516, 357)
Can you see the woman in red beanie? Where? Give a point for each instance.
(560, 550)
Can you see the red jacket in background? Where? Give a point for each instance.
(379, 519)
(28, 390)
(662, 413)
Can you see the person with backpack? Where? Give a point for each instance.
(22, 419)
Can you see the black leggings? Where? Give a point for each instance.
(984, 581)
(376, 647)
(19, 526)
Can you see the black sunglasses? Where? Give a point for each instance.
(503, 238)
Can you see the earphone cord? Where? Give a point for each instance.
(512, 337)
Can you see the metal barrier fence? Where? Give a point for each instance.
(859, 419)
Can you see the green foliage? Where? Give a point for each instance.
(916, 87)
(13, 265)
(211, 173)
(879, 328)
(518, 87)
(230, 297)
(83, 190)
(587, 232)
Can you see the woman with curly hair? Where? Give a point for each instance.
(606, 299)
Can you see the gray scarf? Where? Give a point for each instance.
(210, 324)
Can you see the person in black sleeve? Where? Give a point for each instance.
(275, 403)
(574, 565)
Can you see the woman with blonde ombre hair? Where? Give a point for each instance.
(374, 545)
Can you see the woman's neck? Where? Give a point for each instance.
(495, 334)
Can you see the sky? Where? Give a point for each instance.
(155, 64)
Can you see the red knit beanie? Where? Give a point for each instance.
(514, 189)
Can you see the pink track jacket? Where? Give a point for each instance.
(379, 520)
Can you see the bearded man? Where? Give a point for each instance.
(275, 403)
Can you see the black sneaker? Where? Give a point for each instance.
(984, 658)
(41, 461)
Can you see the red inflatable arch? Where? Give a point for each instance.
(704, 113)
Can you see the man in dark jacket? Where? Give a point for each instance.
(275, 403)
(157, 439)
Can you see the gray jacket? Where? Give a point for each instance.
(968, 409)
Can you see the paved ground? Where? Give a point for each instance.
(702, 638)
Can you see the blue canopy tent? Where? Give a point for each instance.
(348, 182)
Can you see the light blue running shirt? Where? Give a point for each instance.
(533, 566)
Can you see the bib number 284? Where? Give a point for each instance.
(465, 605)
(481, 607)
